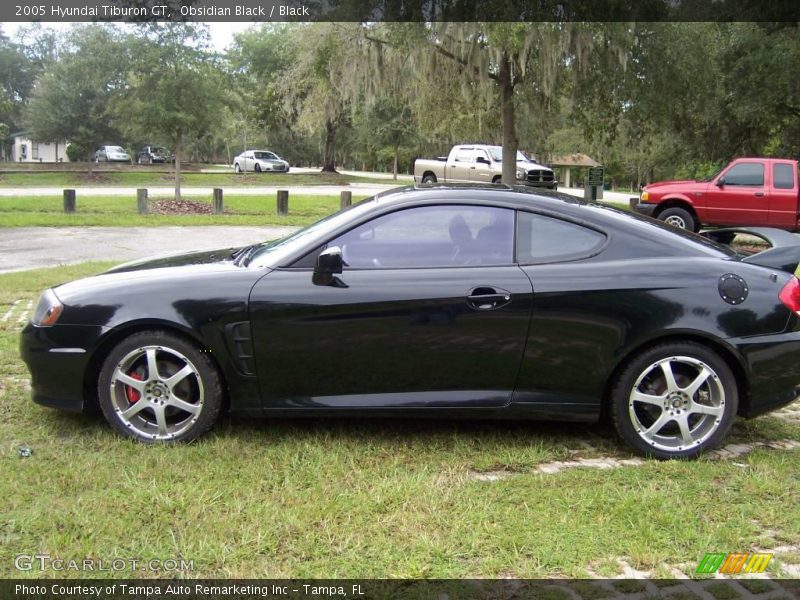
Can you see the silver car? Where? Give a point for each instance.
(259, 161)
(111, 154)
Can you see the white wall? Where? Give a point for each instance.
(48, 152)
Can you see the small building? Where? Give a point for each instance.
(24, 149)
(565, 163)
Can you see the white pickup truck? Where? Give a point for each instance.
(478, 162)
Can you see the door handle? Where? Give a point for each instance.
(759, 194)
(488, 298)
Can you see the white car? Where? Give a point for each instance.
(111, 154)
(259, 161)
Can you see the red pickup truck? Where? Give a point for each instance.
(749, 191)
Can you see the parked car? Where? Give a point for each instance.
(259, 161)
(111, 154)
(147, 155)
(483, 164)
(749, 191)
(465, 301)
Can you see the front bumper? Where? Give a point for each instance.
(548, 185)
(57, 358)
(646, 209)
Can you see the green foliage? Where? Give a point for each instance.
(77, 152)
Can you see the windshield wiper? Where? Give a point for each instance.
(242, 256)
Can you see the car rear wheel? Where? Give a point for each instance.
(158, 387)
(429, 179)
(675, 400)
(678, 217)
(237, 168)
(258, 168)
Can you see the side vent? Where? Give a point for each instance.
(240, 344)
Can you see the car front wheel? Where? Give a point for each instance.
(158, 387)
(675, 400)
(237, 168)
(678, 217)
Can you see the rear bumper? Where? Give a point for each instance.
(773, 362)
(57, 358)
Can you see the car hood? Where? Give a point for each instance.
(206, 257)
(272, 161)
(681, 183)
(526, 164)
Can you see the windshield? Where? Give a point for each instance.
(497, 154)
(115, 149)
(272, 253)
(265, 155)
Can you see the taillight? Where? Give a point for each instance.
(790, 295)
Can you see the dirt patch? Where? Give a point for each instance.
(181, 207)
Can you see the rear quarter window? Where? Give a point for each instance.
(543, 239)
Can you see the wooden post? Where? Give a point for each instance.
(633, 201)
(218, 208)
(283, 203)
(69, 201)
(141, 201)
(346, 199)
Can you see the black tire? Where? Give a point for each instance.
(679, 217)
(189, 406)
(429, 178)
(237, 168)
(641, 399)
(257, 168)
(497, 179)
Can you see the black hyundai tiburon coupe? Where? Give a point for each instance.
(464, 301)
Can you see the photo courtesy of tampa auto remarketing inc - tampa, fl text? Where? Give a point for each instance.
(399, 300)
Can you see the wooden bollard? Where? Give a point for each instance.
(141, 201)
(69, 201)
(283, 203)
(218, 207)
(345, 199)
(632, 202)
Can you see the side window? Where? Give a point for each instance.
(481, 154)
(542, 239)
(431, 236)
(783, 176)
(464, 155)
(749, 174)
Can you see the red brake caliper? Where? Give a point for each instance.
(132, 394)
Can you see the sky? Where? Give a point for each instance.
(221, 33)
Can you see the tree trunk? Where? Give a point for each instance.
(178, 140)
(509, 133)
(394, 173)
(329, 160)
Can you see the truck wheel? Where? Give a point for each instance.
(497, 179)
(678, 217)
(429, 178)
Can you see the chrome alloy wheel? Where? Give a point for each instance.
(676, 403)
(157, 392)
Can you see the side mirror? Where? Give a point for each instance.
(330, 261)
(720, 182)
(482, 159)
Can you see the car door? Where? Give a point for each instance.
(459, 164)
(739, 196)
(783, 196)
(430, 311)
(481, 169)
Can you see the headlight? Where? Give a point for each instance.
(645, 196)
(521, 174)
(48, 309)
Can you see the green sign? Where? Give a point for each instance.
(596, 176)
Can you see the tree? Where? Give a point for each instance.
(72, 98)
(174, 90)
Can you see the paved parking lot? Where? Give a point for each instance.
(34, 247)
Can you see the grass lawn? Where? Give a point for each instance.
(349, 498)
(144, 177)
(29, 211)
